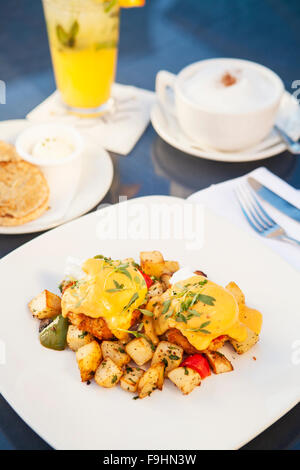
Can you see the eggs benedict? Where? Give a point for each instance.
(201, 311)
(105, 299)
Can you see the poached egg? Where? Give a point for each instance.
(108, 289)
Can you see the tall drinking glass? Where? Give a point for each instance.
(83, 38)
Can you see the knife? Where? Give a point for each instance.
(274, 199)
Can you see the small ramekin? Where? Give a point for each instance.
(30, 136)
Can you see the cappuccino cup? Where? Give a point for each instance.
(225, 104)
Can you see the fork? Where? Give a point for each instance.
(258, 218)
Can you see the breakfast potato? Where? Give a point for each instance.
(77, 338)
(165, 280)
(217, 343)
(185, 379)
(160, 368)
(149, 329)
(234, 289)
(153, 264)
(218, 362)
(155, 290)
(115, 351)
(140, 350)
(176, 337)
(170, 267)
(88, 359)
(45, 305)
(130, 379)
(169, 354)
(244, 346)
(108, 373)
(151, 380)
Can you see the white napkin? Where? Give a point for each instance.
(117, 132)
(222, 199)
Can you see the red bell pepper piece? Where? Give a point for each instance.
(199, 363)
(147, 278)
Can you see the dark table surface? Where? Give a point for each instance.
(166, 34)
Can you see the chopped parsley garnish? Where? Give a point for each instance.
(194, 313)
(118, 287)
(166, 306)
(164, 360)
(83, 335)
(114, 379)
(201, 329)
(179, 317)
(122, 268)
(132, 300)
(206, 299)
(146, 312)
(173, 357)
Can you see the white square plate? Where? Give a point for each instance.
(44, 388)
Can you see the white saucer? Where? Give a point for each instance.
(167, 127)
(94, 182)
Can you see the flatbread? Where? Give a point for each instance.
(8, 152)
(24, 192)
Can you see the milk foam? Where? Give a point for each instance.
(251, 88)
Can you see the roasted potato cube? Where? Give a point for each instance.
(153, 264)
(88, 359)
(165, 280)
(130, 379)
(169, 354)
(149, 329)
(140, 350)
(218, 362)
(77, 338)
(151, 380)
(236, 292)
(45, 305)
(115, 351)
(108, 373)
(160, 367)
(185, 379)
(155, 290)
(244, 346)
(154, 257)
(217, 343)
(170, 267)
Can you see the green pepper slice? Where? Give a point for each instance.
(54, 336)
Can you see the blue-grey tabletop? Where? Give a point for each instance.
(165, 34)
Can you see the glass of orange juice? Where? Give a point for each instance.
(83, 37)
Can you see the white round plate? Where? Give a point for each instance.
(167, 127)
(44, 386)
(95, 180)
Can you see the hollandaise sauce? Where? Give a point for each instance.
(202, 311)
(109, 289)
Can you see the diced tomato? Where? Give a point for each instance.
(147, 278)
(198, 363)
